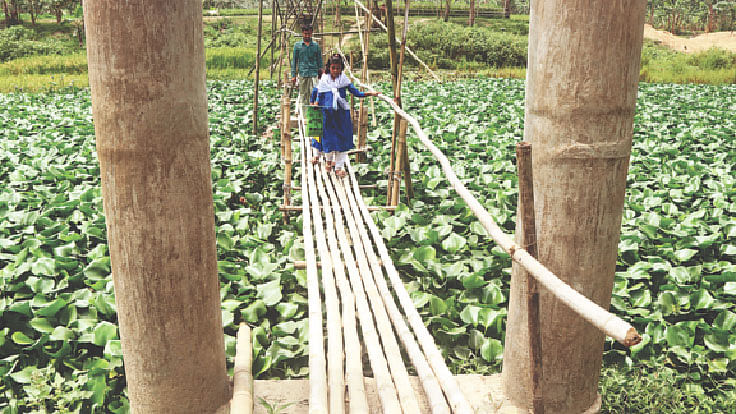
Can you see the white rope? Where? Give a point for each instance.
(605, 321)
(383, 26)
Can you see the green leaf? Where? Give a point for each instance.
(270, 292)
(24, 376)
(98, 269)
(473, 281)
(701, 299)
(287, 310)
(61, 333)
(453, 243)
(491, 350)
(254, 311)
(437, 306)
(684, 255)
(44, 266)
(424, 254)
(725, 321)
(469, 315)
(21, 339)
(41, 325)
(679, 336)
(104, 331)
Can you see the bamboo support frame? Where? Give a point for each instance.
(605, 321)
(336, 394)
(408, 50)
(301, 265)
(529, 241)
(457, 400)
(384, 384)
(391, 348)
(242, 402)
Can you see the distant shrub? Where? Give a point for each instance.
(457, 46)
(713, 58)
(19, 41)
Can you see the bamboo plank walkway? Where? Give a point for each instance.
(340, 234)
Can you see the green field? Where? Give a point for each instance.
(676, 271)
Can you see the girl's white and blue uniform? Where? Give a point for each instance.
(337, 127)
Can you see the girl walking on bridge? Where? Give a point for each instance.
(337, 127)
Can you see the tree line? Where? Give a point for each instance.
(14, 8)
(679, 16)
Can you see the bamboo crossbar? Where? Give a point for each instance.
(409, 51)
(605, 321)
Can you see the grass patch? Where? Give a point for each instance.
(660, 64)
(42, 82)
(655, 388)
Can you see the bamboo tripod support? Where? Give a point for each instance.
(242, 402)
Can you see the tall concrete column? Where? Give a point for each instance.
(149, 101)
(581, 93)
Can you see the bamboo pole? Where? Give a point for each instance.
(353, 364)
(317, 371)
(384, 384)
(336, 382)
(388, 340)
(408, 50)
(406, 166)
(242, 402)
(429, 382)
(528, 236)
(258, 67)
(447, 381)
(399, 163)
(273, 36)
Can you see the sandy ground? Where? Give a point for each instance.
(723, 40)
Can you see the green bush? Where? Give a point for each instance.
(713, 58)
(19, 41)
(458, 47)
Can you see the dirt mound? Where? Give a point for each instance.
(705, 41)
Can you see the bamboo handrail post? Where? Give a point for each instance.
(528, 238)
(242, 402)
(258, 67)
(273, 35)
(399, 162)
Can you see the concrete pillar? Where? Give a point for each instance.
(581, 92)
(149, 102)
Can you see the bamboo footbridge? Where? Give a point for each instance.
(347, 265)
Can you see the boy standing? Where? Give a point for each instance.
(307, 58)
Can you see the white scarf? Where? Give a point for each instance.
(327, 84)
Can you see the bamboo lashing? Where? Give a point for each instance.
(391, 348)
(408, 50)
(242, 402)
(429, 382)
(317, 371)
(605, 321)
(384, 384)
(336, 395)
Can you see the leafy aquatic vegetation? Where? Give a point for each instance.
(676, 277)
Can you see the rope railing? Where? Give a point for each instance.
(605, 321)
(409, 51)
